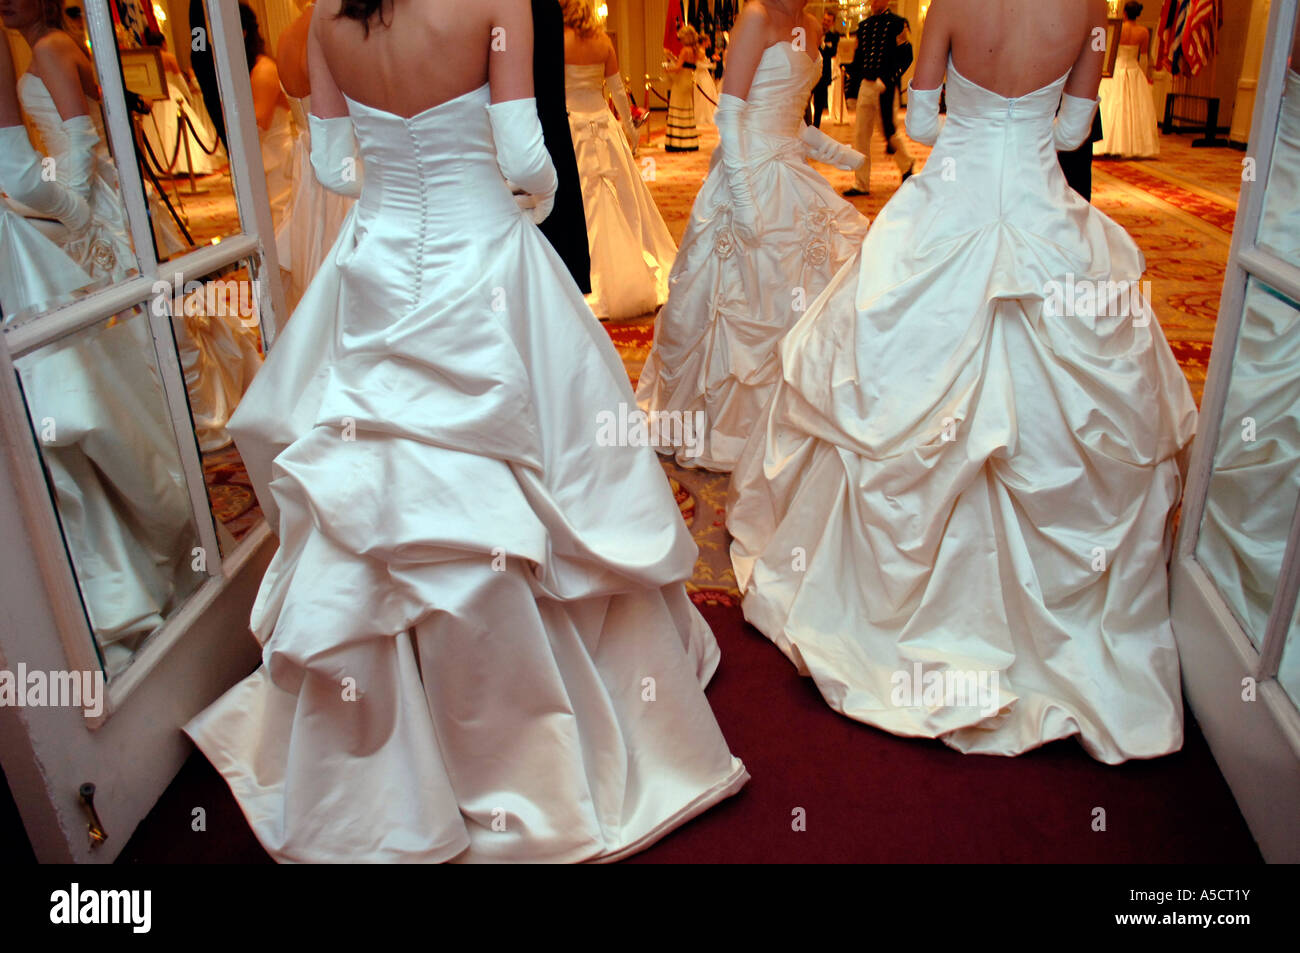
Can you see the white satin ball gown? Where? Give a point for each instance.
(476, 638)
(729, 304)
(314, 217)
(953, 512)
(632, 251)
(1128, 111)
(706, 94)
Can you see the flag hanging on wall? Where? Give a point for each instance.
(671, 25)
(1188, 31)
(1200, 38)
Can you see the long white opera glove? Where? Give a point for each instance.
(77, 165)
(521, 153)
(823, 148)
(1073, 122)
(923, 114)
(334, 154)
(729, 118)
(619, 94)
(20, 176)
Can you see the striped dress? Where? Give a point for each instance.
(682, 134)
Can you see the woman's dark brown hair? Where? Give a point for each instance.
(363, 11)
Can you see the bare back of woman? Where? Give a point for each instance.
(1014, 47)
(418, 54)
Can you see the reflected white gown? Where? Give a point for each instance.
(460, 637)
(1128, 111)
(96, 406)
(950, 480)
(632, 251)
(104, 250)
(728, 304)
(314, 217)
(1256, 480)
(277, 161)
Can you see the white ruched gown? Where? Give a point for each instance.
(730, 304)
(631, 248)
(476, 639)
(953, 488)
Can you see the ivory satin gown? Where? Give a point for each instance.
(950, 480)
(1128, 111)
(729, 304)
(631, 248)
(476, 639)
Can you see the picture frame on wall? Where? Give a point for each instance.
(1113, 26)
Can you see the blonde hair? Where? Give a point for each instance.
(687, 36)
(581, 18)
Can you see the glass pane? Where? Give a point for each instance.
(106, 441)
(1256, 479)
(179, 127)
(217, 327)
(1279, 226)
(67, 142)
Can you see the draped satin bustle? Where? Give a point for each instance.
(729, 304)
(502, 594)
(951, 478)
(631, 248)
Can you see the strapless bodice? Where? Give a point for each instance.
(779, 92)
(1127, 56)
(39, 105)
(584, 87)
(431, 173)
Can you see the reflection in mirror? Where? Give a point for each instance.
(1279, 225)
(106, 441)
(56, 171)
(216, 324)
(1256, 479)
(178, 125)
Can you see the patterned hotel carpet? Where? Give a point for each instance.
(1178, 208)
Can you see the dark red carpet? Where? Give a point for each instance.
(867, 797)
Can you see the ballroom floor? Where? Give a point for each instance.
(869, 796)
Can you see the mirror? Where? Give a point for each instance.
(1256, 472)
(216, 323)
(179, 125)
(66, 137)
(1279, 226)
(106, 441)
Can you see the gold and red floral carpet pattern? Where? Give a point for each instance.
(1179, 208)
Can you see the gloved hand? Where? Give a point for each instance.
(334, 154)
(731, 135)
(923, 114)
(1073, 122)
(20, 176)
(618, 92)
(823, 148)
(521, 153)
